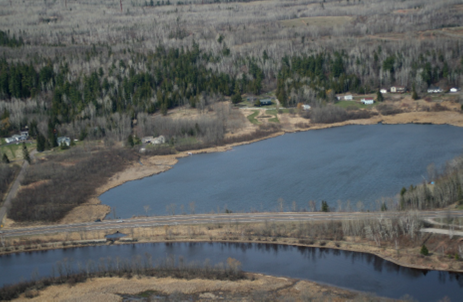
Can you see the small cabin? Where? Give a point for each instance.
(63, 141)
(383, 90)
(367, 101)
(434, 89)
(398, 89)
(306, 107)
(266, 102)
(348, 97)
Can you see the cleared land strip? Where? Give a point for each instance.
(217, 218)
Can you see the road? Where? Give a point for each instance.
(213, 218)
(14, 188)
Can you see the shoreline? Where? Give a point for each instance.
(288, 241)
(397, 119)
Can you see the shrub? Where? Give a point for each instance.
(385, 109)
(424, 250)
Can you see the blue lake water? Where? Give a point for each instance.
(355, 271)
(355, 163)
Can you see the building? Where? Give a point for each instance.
(398, 89)
(367, 101)
(383, 90)
(147, 139)
(348, 97)
(63, 140)
(159, 140)
(434, 89)
(454, 89)
(306, 107)
(266, 102)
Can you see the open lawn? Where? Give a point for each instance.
(252, 117)
(14, 151)
(274, 113)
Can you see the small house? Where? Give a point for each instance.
(159, 140)
(383, 90)
(25, 133)
(63, 141)
(9, 140)
(434, 89)
(454, 89)
(367, 101)
(306, 107)
(16, 137)
(147, 139)
(265, 102)
(348, 97)
(398, 89)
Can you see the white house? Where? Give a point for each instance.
(434, 89)
(306, 107)
(348, 97)
(63, 140)
(147, 139)
(397, 89)
(367, 101)
(383, 90)
(159, 140)
(454, 89)
(9, 140)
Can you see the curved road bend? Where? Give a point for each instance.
(214, 218)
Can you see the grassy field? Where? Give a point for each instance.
(252, 117)
(14, 151)
(325, 21)
(274, 113)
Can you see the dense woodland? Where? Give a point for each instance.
(88, 70)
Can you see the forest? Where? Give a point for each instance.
(88, 70)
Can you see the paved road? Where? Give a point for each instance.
(14, 188)
(212, 218)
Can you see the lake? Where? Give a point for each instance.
(351, 270)
(351, 163)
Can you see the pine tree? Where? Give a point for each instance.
(130, 141)
(325, 207)
(414, 94)
(424, 250)
(379, 96)
(40, 142)
(26, 153)
(5, 159)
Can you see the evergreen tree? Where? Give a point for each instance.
(40, 142)
(424, 250)
(26, 153)
(414, 94)
(130, 141)
(5, 159)
(325, 207)
(236, 98)
(379, 96)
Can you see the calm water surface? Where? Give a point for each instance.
(356, 163)
(350, 270)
